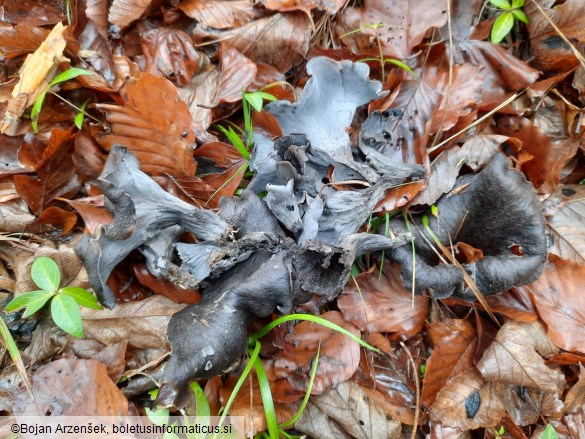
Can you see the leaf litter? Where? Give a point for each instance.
(154, 201)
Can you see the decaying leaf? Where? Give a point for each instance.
(454, 343)
(155, 124)
(219, 14)
(500, 202)
(379, 303)
(338, 359)
(17, 40)
(55, 174)
(515, 357)
(566, 223)
(559, 300)
(70, 387)
(124, 12)
(346, 411)
(404, 23)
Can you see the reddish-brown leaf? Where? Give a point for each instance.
(73, 387)
(10, 162)
(560, 302)
(515, 304)
(404, 23)
(92, 212)
(56, 216)
(88, 157)
(17, 40)
(515, 357)
(55, 177)
(219, 14)
(548, 159)
(171, 52)
(454, 344)
(164, 287)
(566, 213)
(551, 52)
(382, 304)
(280, 40)
(331, 7)
(237, 72)
(155, 124)
(338, 360)
(455, 400)
(32, 12)
(124, 12)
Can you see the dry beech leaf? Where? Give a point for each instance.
(10, 162)
(381, 304)
(467, 402)
(97, 11)
(17, 40)
(454, 344)
(515, 304)
(219, 14)
(92, 211)
(404, 23)
(331, 7)
(124, 12)
(73, 387)
(575, 398)
(171, 52)
(567, 224)
(200, 95)
(558, 296)
(35, 74)
(32, 12)
(348, 407)
(338, 360)
(515, 357)
(154, 124)
(56, 216)
(551, 52)
(280, 40)
(55, 177)
(143, 323)
(237, 72)
(525, 406)
(476, 152)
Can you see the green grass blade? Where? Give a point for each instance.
(235, 141)
(267, 401)
(310, 318)
(14, 354)
(240, 383)
(69, 74)
(36, 111)
(301, 409)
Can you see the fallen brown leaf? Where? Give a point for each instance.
(348, 407)
(124, 12)
(219, 14)
(154, 124)
(379, 303)
(515, 357)
(338, 360)
(454, 344)
(559, 300)
(17, 40)
(55, 177)
(72, 387)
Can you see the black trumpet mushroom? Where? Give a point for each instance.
(497, 211)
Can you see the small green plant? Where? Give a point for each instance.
(500, 432)
(64, 301)
(67, 75)
(504, 23)
(549, 433)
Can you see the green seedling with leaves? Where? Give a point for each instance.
(67, 75)
(549, 433)
(64, 301)
(504, 23)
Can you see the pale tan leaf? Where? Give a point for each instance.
(515, 357)
(219, 14)
(124, 12)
